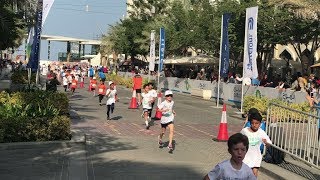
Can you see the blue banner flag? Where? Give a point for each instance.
(161, 48)
(224, 57)
(35, 51)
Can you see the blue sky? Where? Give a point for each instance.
(69, 18)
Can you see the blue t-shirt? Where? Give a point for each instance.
(102, 75)
(91, 73)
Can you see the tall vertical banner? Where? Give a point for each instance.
(35, 52)
(29, 43)
(152, 51)
(224, 49)
(161, 48)
(250, 44)
(47, 4)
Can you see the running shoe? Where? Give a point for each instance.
(160, 141)
(170, 147)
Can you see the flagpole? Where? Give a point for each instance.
(158, 81)
(219, 70)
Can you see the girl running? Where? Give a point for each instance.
(166, 107)
(146, 104)
(74, 83)
(93, 83)
(102, 91)
(111, 94)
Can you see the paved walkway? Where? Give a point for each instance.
(122, 148)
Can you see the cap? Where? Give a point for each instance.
(110, 82)
(168, 92)
(94, 78)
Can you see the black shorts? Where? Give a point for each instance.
(138, 91)
(93, 89)
(166, 124)
(65, 86)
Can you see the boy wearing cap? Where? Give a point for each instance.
(111, 94)
(166, 107)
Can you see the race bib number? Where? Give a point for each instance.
(93, 85)
(100, 90)
(74, 84)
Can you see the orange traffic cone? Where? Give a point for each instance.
(223, 128)
(158, 114)
(133, 103)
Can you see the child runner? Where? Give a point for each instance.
(69, 80)
(154, 96)
(102, 91)
(111, 94)
(65, 82)
(233, 168)
(146, 104)
(73, 84)
(81, 77)
(256, 137)
(93, 83)
(166, 107)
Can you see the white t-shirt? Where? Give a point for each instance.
(147, 97)
(168, 115)
(225, 171)
(153, 93)
(65, 81)
(253, 157)
(111, 97)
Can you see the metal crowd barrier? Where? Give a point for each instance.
(295, 132)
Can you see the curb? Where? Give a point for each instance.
(271, 174)
(22, 145)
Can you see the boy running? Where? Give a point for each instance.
(256, 137)
(146, 104)
(234, 168)
(102, 91)
(111, 94)
(65, 82)
(166, 107)
(154, 96)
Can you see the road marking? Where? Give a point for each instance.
(114, 129)
(198, 130)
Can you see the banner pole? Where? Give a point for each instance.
(219, 70)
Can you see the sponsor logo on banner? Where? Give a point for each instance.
(250, 45)
(161, 48)
(152, 51)
(224, 45)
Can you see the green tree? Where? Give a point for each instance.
(15, 18)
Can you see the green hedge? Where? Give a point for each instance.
(34, 116)
(262, 103)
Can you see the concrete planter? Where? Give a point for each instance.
(205, 94)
